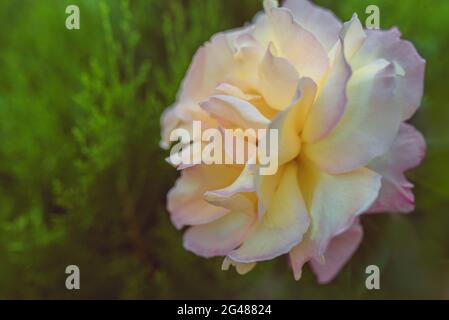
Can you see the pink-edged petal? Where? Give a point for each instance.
(335, 201)
(291, 41)
(338, 253)
(212, 64)
(219, 237)
(185, 200)
(241, 268)
(409, 65)
(330, 105)
(278, 81)
(282, 227)
(301, 254)
(321, 22)
(209, 66)
(234, 110)
(369, 125)
(407, 152)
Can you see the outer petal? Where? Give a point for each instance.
(335, 201)
(185, 200)
(330, 105)
(219, 237)
(339, 251)
(321, 22)
(301, 254)
(292, 41)
(209, 65)
(282, 227)
(388, 45)
(369, 125)
(407, 152)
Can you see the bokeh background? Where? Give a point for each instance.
(83, 181)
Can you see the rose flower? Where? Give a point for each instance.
(339, 97)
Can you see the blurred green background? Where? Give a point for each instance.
(83, 181)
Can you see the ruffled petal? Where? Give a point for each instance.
(334, 201)
(185, 200)
(330, 105)
(407, 152)
(369, 125)
(338, 253)
(301, 254)
(403, 55)
(278, 81)
(239, 196)
(241, 268)
(282, 227)
(219, 237)
(209, 66)
(291, 41)
(321, 22)
(236, 111)
(289, 122)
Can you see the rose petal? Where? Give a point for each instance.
(330, 105)
(301, 254)
(242, 268)
(230, 90)
(321, 22)
(219, 237)
(278, 81)
(212, 64)
(353, 36)
(291, 41)
(290, 121)
(407, 152)
(239, 195)
(339, 251)
(209, 65)
(335, 201)
(234, 110)
(410, 66)
(185, 200)
(266, 185)
(369, 125)
(282, 226)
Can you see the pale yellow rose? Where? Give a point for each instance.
(338, 96)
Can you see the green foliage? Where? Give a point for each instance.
(83, 180)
